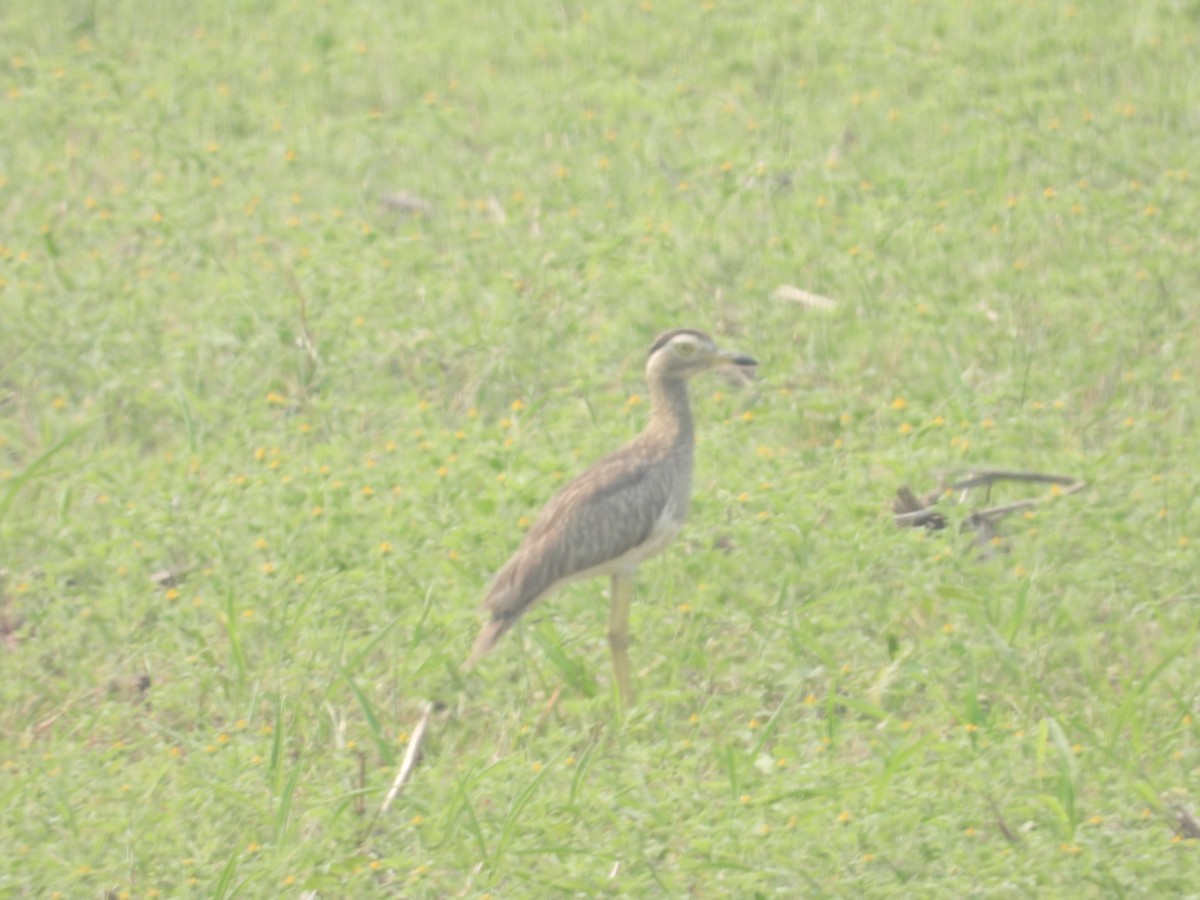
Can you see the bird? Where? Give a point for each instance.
(619, 512)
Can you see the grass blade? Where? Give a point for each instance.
(381, 742)
(16, 483)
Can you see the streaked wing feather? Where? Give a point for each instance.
(604, 513)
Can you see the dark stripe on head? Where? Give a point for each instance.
(662, 339)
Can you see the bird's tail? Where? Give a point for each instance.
(488, 637)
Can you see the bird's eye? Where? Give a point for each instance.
(685, 349)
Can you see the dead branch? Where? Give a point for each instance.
(911, 511)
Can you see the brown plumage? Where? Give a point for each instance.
(622, 510)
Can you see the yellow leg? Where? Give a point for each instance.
(618, 634)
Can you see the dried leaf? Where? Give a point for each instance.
(1186, 826)
(402, 203)
(168, 579)
(806, 299)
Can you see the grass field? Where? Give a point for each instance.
(306, 308)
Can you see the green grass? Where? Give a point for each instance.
(222, 358)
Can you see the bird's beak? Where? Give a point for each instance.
(733, 358)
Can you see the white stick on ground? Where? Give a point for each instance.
(411, 757)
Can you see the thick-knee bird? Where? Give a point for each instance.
(619, 512)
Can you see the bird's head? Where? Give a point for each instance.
(684, 352)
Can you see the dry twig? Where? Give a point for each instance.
(911, 511)
(412, 756)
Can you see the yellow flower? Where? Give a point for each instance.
(899, 403)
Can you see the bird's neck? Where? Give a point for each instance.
(670, 412)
